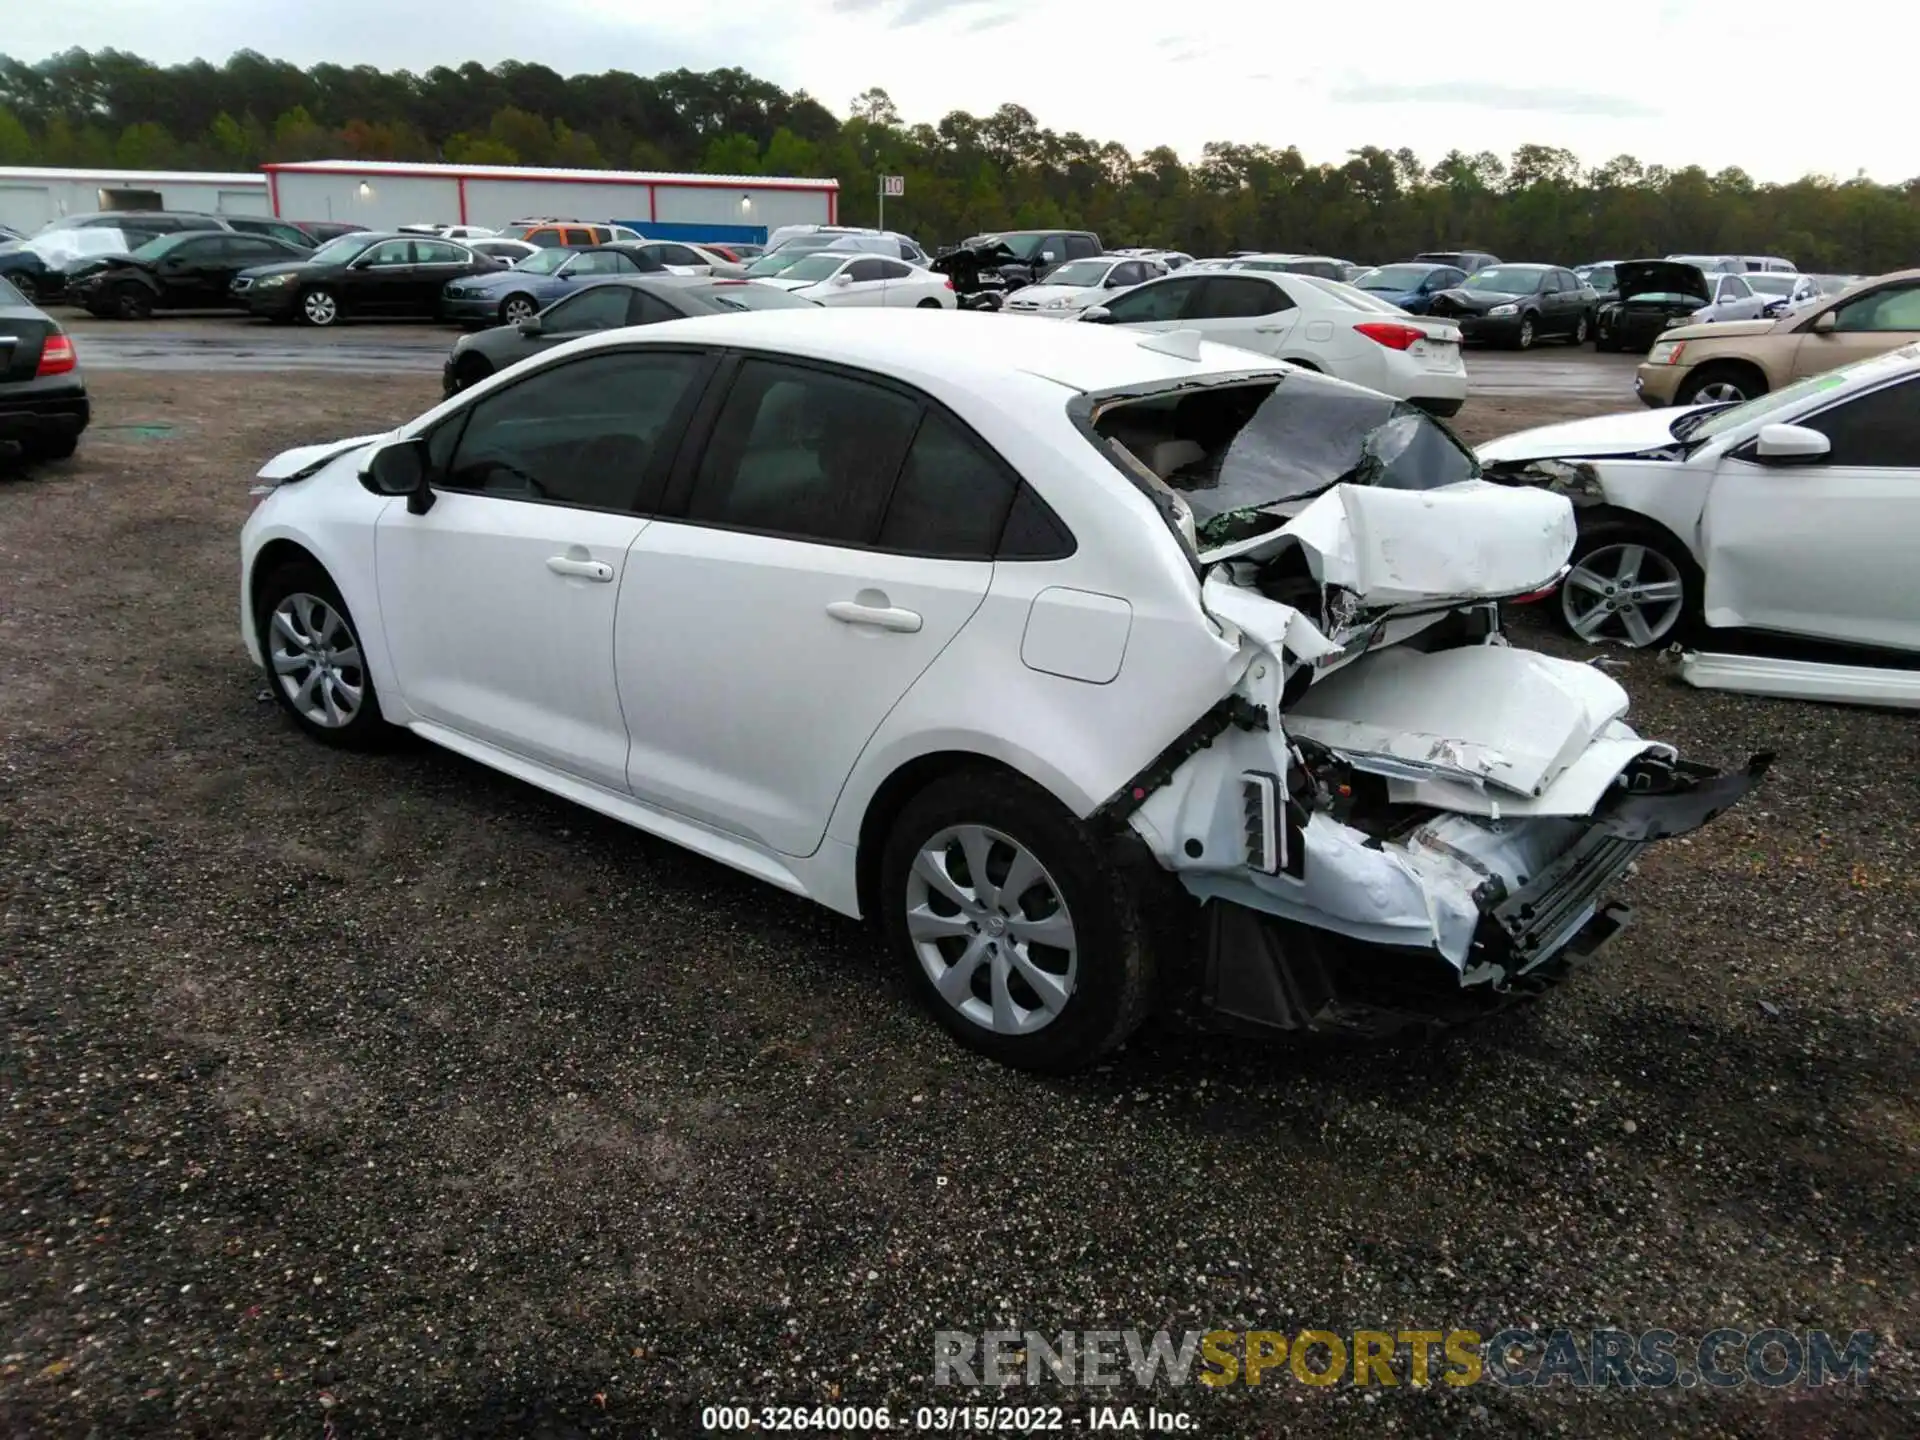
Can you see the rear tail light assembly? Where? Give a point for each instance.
(949, 281)
(56, 356)
(1390, 334)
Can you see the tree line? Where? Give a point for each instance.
(964, 173)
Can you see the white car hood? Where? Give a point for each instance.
(1629, 433)
(779, 284)
(306, 459)
(1043, 294)
(1397, 548)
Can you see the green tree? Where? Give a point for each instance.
(16, 144)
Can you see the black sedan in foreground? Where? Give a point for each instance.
(191, 270)
(1516, 305)
(364, 274)
(43, 400)
(607, 305)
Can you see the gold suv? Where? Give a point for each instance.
(1739, 359)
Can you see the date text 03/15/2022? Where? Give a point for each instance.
(946, 1419)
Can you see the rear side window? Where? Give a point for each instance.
(681, 255)
(803, 453)
(951, 499)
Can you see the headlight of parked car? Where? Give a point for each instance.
(1502, 310)
(1666, 352)
(268, 282)
(1059, 303)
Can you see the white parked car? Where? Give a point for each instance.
(841, 277)
(1320, 324)
(511, 252)
(1732, 297)
(1018, 640)
(1071, 288)
(1778, 534)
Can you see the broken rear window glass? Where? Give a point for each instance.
(1244, 457)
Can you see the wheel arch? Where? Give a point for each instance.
(1593, 518)
(1753, 369)
(892, 795)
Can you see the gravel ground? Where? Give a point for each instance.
(376, 1096)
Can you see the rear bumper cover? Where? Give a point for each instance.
(63, 412)
(1265, 974)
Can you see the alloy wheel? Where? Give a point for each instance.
(1719, 392)
(1629, 586)
(316, 660)
(320, 308)
(516, 310)
(1526, 333)
(991, 929)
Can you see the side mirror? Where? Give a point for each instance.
(1790, 445)
(531, 325)
(401, 469)
(1114, 282)
(1825, 323)
(843, 278)
(1097, 315)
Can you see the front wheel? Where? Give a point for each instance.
(132, 302)
(1720, 384)
(314, 659)
(320, 307)
(1524, 339)
(471, 370)
(1012, 929)
(1629, 584)
(516, 308)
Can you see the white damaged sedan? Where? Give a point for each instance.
(1083, 662)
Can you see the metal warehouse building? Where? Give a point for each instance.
(381, 194)
(31, 196)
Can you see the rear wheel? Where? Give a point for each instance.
(516, 308)
(1016, 933)
(1580, 330)
(928, 304)
(1629, 584)
(1720, 383)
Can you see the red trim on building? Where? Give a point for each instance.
(833, 206)
(273, 191)
(462, 183)
(653, 202)
(689, 182)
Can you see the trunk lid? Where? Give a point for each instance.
(23, 333)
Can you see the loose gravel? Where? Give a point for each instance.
(362, 1096)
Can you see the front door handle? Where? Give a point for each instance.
(884, 617)
(580, 569)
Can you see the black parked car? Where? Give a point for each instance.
(607, 305)
(43, 266)
(192, 270)
(325, 230)
(1654, 295)
(1035, 252)
(1518, 304)
(977, 273)
(43, 400)
(366, 274)
(1467, 260)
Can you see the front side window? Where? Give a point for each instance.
(1161, 300)
(582, 433)
(598, 307)
(1895, 308)
(803, 453)
(1878, 430)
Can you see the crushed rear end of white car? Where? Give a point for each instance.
(1395, 819)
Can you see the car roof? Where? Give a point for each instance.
(966, 349)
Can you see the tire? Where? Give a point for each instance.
(319, 306)
(305, 593)
(1602, 556)
(131, 301)
(929, 305)
(39, 448)
(1104, 979)
(516, 308)
(1580, 330)
(1720, 381)
(1523, 339)
(471, 370)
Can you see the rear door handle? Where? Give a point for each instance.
(883, 617)
(580, 569)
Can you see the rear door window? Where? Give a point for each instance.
(1878, 430)
(1231, 297)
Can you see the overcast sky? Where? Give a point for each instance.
(1673, 82)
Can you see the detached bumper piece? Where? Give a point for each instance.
(1264, 975)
